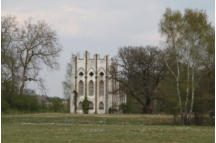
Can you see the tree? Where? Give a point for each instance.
(37, 44)
(25, 47)
(140, 71)
(67, 83)
(170, 26)
(186, 48)
(9, 64)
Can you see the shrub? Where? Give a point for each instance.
(4, 104)
(57, 105)
(124, 108)
(112, 110)
(19, 103)
(85, 105)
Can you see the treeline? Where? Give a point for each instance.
(28, 103)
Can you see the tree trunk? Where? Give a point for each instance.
(23, 81)
(178, 92)
(192, 94)
(13, 77)
(145, 109)
(177, 87)
(187, 93)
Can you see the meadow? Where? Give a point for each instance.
(68, 128)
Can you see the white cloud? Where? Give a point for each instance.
(65, 20)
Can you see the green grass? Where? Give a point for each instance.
(67, 128)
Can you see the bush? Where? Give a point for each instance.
(112, 110)
(57, 105)
(4, 105)
(43, 107)
(124, 108)
(85, 105)
(19, 103)
(13, 103)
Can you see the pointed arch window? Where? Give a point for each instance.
(91, 88)
(101, 88)
(91, 105)
(81, 88)
(80, 105)
(101, 106)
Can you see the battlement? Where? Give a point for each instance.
(87, 56)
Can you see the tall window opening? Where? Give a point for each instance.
(80, 105)
(91, 88)
(91, 106)
(81, 88)
(101, 88)
(101, 106)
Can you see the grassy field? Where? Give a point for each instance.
(67, 128)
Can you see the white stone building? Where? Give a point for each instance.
(91, 79)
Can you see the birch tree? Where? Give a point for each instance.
(171, 26)
(185, 40)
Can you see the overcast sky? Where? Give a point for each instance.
(99, 26)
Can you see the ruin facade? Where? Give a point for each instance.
(91, 78)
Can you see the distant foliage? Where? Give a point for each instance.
(57, 105)
(11, 101)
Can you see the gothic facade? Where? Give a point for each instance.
(91, 79)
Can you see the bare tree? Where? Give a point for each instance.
(67, 83)
(140, 71)
(36, 44)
